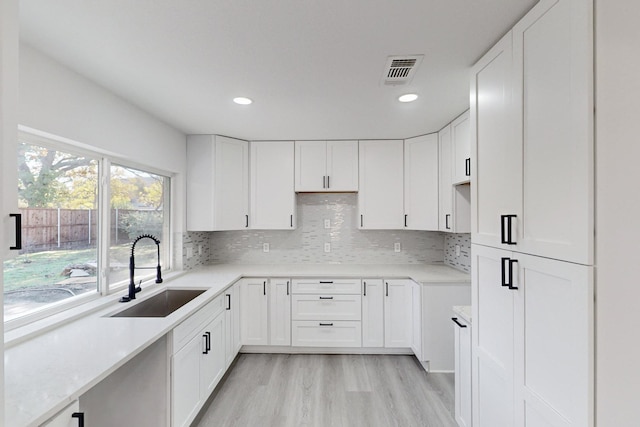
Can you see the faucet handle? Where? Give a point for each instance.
(138, 288)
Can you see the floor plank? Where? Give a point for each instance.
(282, 390)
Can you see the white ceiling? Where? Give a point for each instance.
(312, 67)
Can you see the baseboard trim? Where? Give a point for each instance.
(322, 350)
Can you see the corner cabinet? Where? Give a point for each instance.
(273, 199)
(217, 183)
(381, 195)
(326, 166)
(421, 183)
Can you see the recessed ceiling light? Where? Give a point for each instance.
(409, 97)
(242, 100)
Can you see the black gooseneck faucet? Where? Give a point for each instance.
(133, 289)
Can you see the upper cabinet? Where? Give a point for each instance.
(532, 107)
(273, 200)
(326, 166)
(381, 196)
(454, 200)
(461, 149)
(421, 183)
(217, 183)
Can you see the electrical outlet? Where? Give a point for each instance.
(265, 247)
(327, 247)
(396, 247)
(327, 223)
(457, 250)
(189, 252)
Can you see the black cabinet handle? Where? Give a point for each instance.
(80, 417)
(18, 245)
(361, 220)
(387, 291)
(446, 221)
(326, 282)
(507, 272)
(328, 182)
(326, 324)
(228, 301)
(326, 297)
(405, 220)
(504, 261)
(287, 287)
(365, 288)
(264, 288)
(511, 262)
(324, 181)
(291, 220)
(247, 221)
(506, 226)
(467, 167)
(455, 320)
(206, 337)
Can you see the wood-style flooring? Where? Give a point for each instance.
(330, 390)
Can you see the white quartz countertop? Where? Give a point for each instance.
(46, 373)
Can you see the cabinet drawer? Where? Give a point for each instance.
(187, 329)
(326, 307)
(305, 333)
(329, 286)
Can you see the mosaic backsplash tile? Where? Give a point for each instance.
(462, 262)
(305, 244)
(198, 241)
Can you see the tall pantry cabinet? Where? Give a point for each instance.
(532, 222)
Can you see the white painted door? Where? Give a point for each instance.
(254, 316)
(185, 381)
(65, 417)
(398, 318)
(231, 184)
(462, 387)
(310, 166)
(461, 146)
(416, 320)
(200, 182)
(273, 199)
(492, 338)
(280, 311)
(213, 360)
(553, 57)
(496, 150)
(381, 195)
(554, 343)
(445, 195)
(372, 313)
(342, 165)
(421, 182)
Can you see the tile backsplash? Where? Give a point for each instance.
(305, 244)
(462, 262)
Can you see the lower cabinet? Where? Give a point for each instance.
(372, 313)
(232, 323)
(462, 343)
(254, 311)
(68, 417)
(280, 312)
(398, 316)
(311, 333)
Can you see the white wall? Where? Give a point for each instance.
(617, 213)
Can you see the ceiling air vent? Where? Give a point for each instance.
(399, 70)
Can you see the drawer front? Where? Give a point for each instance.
(326, 307)
(187, 329)
(306, 333)
(329, 286)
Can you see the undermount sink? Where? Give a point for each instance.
(162, 304)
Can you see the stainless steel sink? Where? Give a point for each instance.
(162, 304)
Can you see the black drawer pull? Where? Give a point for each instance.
(326, 282)
(80, 417)
(467, 167)
(326, 297)
(455, 320)
(324, 181)
(207, 342)
(328, 182)
(326, 324)
(18, 245)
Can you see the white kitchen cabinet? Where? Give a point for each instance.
(232, 323)
(381, 195)
(212, 360)
(254, 314)
(462, 386)
(273, 199)
(217, 183)
(326, 307)
(372, 313)
(461, 149)
(326, 166)
(66, 417)
(536, 180)
(421, 183)
(398, 315)
(416, 320)
(334, 333)
(280, 311)
(454, 200)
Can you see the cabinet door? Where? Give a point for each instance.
(342, 165)
(185, 382)
(232, 183)
(64, 418)
(232, 324)
(272, 193)
(492, 334)
(553, 57)
(372, 313)
(398, 319)
(381, 195)
(280, 311)
(445, 195)
(461, 146)
(421, 183)
(235, 315)
(311, 166)
(496, 151)
(462, 343)
(554, 343)
(213, 360)
(416, 320)
(254, 319)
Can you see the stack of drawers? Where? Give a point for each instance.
(326, 313)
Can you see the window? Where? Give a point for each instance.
(63, 227)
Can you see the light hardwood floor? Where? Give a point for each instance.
(330, 390)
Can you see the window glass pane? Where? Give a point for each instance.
(137, 208)
(58, 197)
